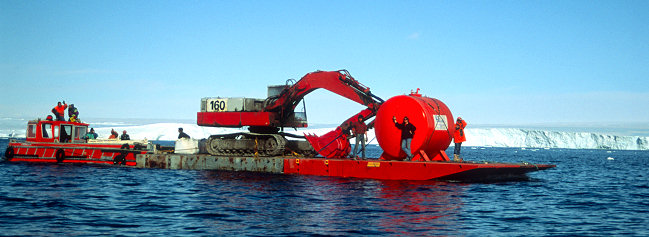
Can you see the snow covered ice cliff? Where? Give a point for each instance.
(515, 137)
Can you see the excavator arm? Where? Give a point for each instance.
(336, 142)
(339, 82)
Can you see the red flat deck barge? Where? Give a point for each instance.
(414, 149)
(367, 168)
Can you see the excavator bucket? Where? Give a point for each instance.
(333, 144)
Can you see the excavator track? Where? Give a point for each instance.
(256, 144)
(299, 148)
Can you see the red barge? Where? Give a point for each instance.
(63, 142)
(265, 149)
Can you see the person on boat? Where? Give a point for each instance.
(73, 113)
(360, 132)
(407, 133)
(49, 117)
(113, 134)
(59, 111)
(92, 134)
(458, 137)
(124, 136)
(182, 134)
(64, 136)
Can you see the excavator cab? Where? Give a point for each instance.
(238, 112)
(241, 111)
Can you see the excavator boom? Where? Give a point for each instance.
(339, 82)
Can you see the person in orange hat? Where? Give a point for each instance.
(459, 137)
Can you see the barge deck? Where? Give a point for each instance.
(367, 168)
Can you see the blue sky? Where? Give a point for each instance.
(491, 62)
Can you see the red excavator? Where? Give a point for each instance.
(266, 118)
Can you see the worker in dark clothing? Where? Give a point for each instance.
(59, 111)
(182, 134)
(407, 133)
(458, 137)
(124, 136)
(73, 114)
(360, 132)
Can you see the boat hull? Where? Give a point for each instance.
(97, 153)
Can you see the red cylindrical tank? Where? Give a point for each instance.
(433, 121)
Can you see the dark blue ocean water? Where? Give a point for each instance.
(586, 195)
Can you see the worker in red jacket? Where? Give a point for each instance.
(459, 137)
(360, 132)
(59, 111)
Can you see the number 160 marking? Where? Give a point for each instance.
(217, 105)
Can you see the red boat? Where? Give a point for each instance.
(64, 142)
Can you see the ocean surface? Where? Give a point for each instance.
(589, 193)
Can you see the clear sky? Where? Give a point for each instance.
(491, 62)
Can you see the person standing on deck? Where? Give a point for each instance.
(360, 132)
(407, 133)
(458, 137)
(73, 114)
(59, 111)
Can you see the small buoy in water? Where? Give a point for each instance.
(610, 158)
